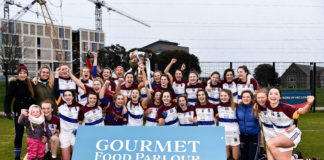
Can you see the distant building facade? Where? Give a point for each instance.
(162, 45)
(298, 76)
(35, 47)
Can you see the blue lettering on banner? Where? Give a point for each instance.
(295, 96)
(149, 143)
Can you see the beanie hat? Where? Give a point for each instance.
(22, 67)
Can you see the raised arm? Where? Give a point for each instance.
(305, 109)
(168, 67)
(103, 89)
(95, 64)
(120, 81)
(76, 80)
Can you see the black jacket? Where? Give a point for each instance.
(19, 91)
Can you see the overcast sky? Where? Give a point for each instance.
(214, 30)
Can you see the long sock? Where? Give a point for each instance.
(17, 152)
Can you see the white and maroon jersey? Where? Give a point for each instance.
(179, 87)
(191, 91)
(171, 118)
(143, 93)
(227, 118)
(241, 86)
(232, 87)
(53, 124)
(150, 118)
(281, 117)
(127, 91)
(135, 114)
(65, 84)
(185, 115)
(69, 117)
(91, 116)
(206, 114)
(115, 80)
(82, 97)
(213, 95)
(267, 128)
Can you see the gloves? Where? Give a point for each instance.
(9, 116)
(164, 114)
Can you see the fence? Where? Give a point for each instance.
(291, 76)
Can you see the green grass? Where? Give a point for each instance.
(311, 145)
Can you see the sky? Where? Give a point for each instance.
(214, 30)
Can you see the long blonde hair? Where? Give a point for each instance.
(51, 78)
(231, 99)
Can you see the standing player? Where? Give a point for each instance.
(227, 118)
(156, 78)
(229, 83)
(165, 86)
(206, 112)
(152, 108)
(119, 72)
(187, 115)
(64, 81)
(167, 113)
(213, 88)
(192, 88)
(282, 117)
(242, 82)
(178, 85)
(86, 80)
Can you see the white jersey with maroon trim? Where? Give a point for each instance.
(267, 128)
(93, 117)
(127, 91)
(150, 118)
(65, 84)
(232, 87)
(135, 114)
(185, 115)
(213, 95)
(69, 117)
(206, 115)
(82, 97)
(171, 118)
(281, 117)
(241, 86)
(53, 124)
(227, 118)
(191, 91)
(179, 87)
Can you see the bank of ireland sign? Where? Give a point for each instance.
(149, 143)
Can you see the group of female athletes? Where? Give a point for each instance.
(98, 98)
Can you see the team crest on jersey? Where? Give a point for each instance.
(235, 139)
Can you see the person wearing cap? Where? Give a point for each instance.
(21, 91)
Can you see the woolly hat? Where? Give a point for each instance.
(22, 67)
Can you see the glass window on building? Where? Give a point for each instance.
(59, 55)
(97, 37)
(15, 40)
(19, 50)
(68, 56)
(101, 46)
(55, 43)
(94, 47)
(84, 46)
(83, 56)
(61, 32)
(11, 27)
(64, 44)
(4, 39)
(292, 81)
(55, 65)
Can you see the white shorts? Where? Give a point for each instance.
(295, 137)
(66, 139)
(232, 139)
(268, 133)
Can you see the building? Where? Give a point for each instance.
(298, 76)
(85, 40)
(162, 45)
(35, 47)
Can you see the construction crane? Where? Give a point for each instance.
(98, 12)
(20, 13)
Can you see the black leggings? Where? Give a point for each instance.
(19, 130)
(249, 146)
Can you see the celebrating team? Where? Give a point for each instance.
(130, 99)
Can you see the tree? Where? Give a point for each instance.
(113, 56)
(266, 75)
